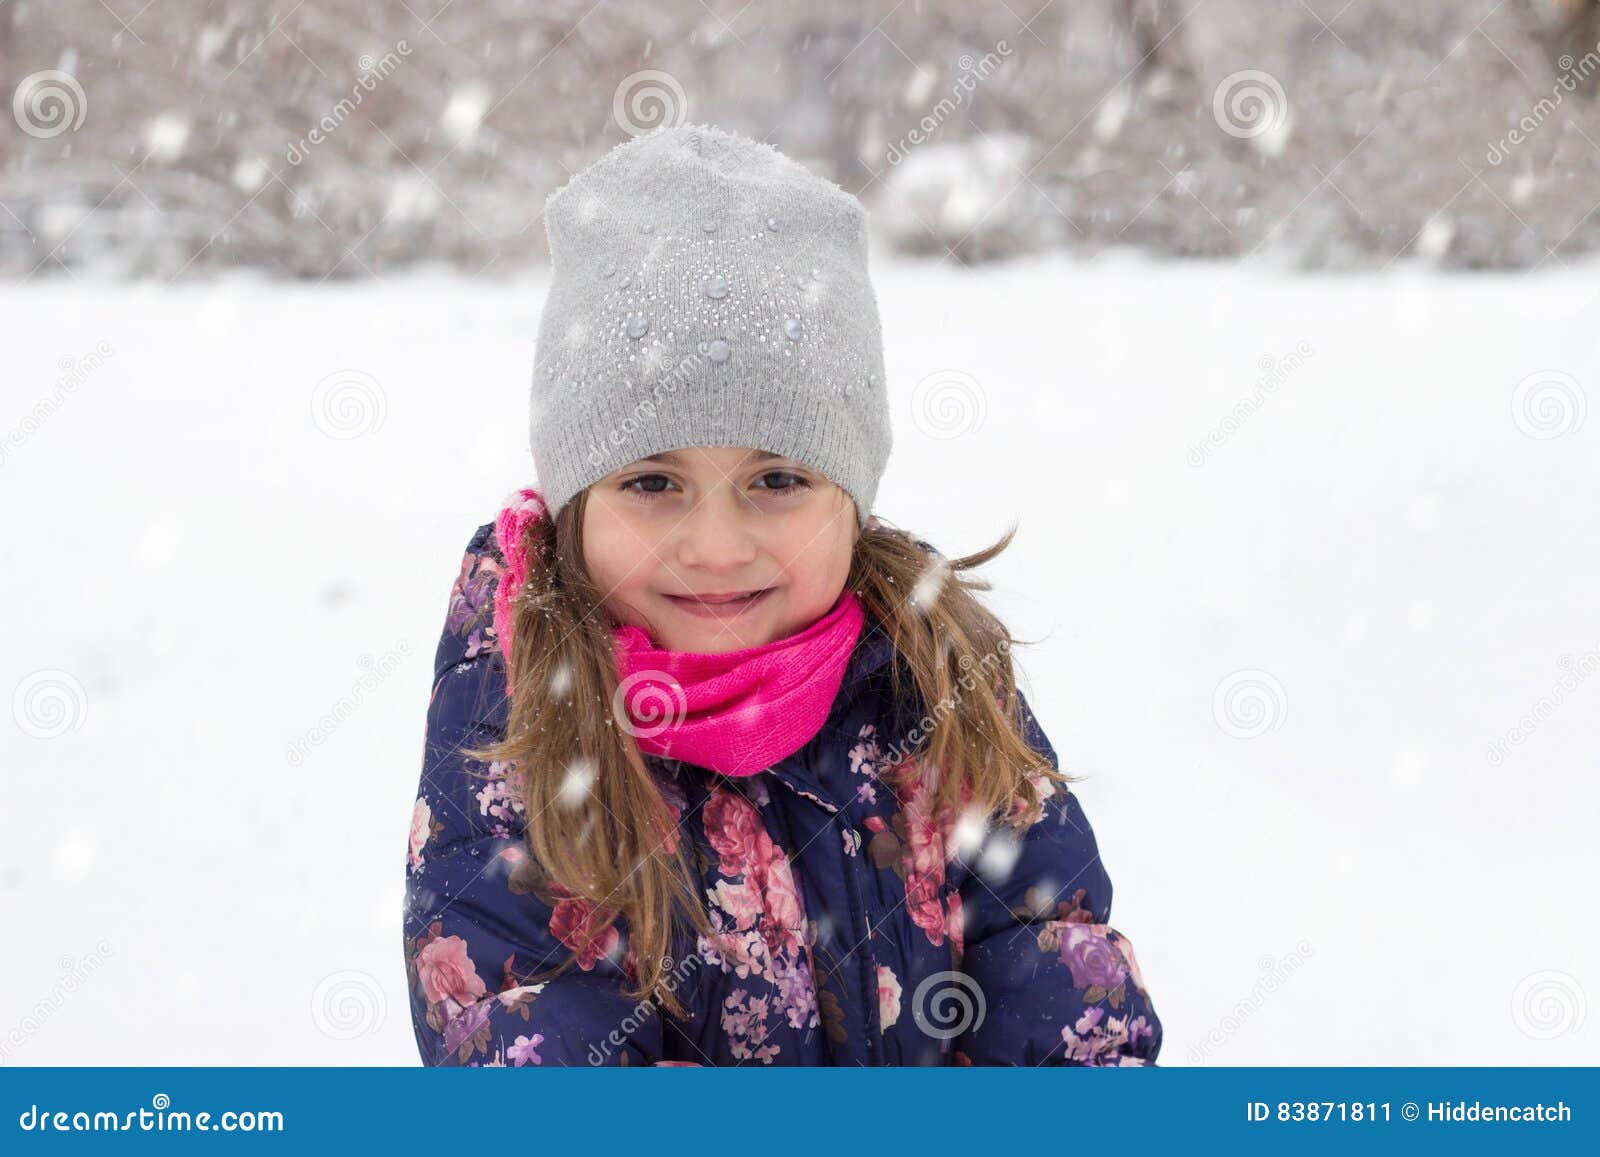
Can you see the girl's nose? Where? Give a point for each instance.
(718, 534)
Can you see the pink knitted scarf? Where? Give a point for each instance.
(734, 712)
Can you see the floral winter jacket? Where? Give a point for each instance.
(852, 931)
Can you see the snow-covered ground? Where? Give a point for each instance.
(1282, 660)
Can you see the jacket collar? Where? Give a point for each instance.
(872, 651)
(803, 771)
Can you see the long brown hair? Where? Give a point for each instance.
(600, 830)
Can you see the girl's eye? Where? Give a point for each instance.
(796, 482)
(646, 495)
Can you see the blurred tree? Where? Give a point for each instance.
(340, 138)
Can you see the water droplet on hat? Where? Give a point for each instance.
(772, 224)
(709, 226)
(715, 287)
(647, 228)
(611, 268)
(625, 282)
(816, 273)
(718, 350)
(792, 328)
(638, 325)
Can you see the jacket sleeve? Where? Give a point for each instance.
(1055, 983)
(478, 921)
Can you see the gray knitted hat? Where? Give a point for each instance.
(706, 290)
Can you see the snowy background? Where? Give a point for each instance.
(1300, 454)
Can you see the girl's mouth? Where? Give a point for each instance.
(719, 606)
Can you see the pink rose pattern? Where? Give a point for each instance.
(423, 828)
(761, 928)
(918, 846)
(498, 801)
(576, 924)
(1097, 1039)
(471, 612)
(1100, 961)
(888, 996)
(447, 973)
(458, 1001)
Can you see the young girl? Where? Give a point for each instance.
(721, 769)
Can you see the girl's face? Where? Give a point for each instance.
(675, 538)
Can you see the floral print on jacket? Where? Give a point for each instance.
(853, 928)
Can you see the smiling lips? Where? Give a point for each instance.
(717, 606)
(721, 598)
